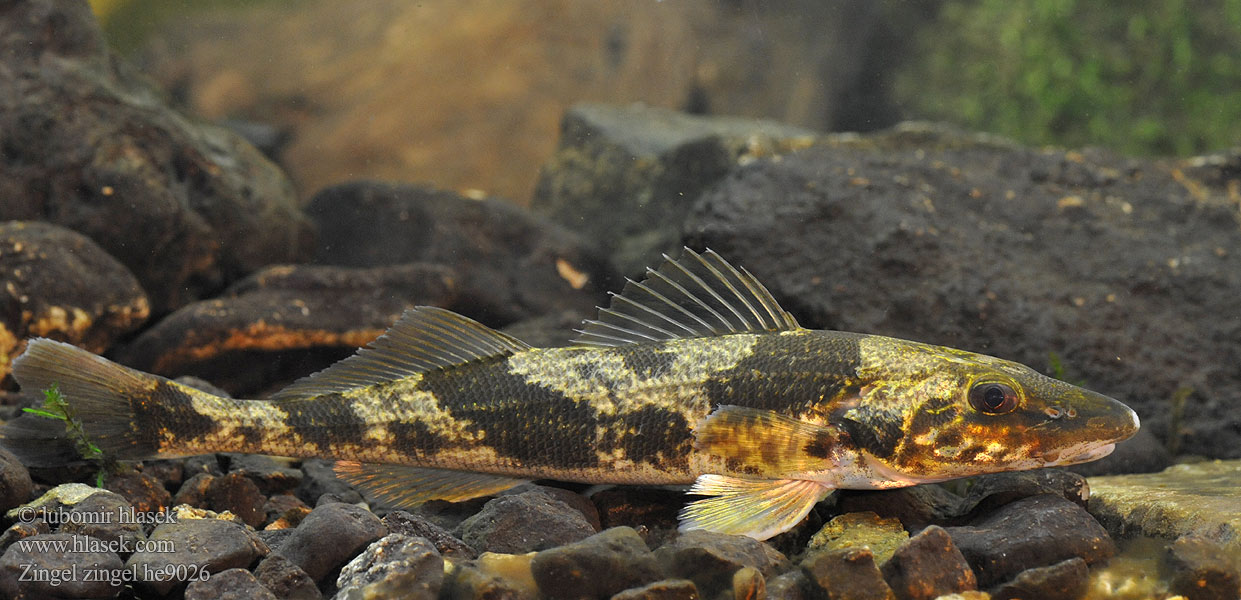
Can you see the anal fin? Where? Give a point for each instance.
(758, 508)
(406, 486)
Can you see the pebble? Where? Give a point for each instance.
(710, 559)
(848, 574)
(851, 530)
(103, 515)
(749, 584)
(196, 547)
(329, 537)
(285, 579)
(22, 530)
(230, 584)
(667, 589)
(599, 566)
(928, 566)
(28, 572)
(396, 566)
(991, 491)
(169, 472)
(1031, 532)
(1202, 571)
(15, 483)
(525, 522)
(792, 585)
(194, 490)
(318, 479)
(1065, 580)
(239, 495)
(283, 511)
(399, 521)
(271, 476)
(915, 506)
(145, 492)
(472, 581)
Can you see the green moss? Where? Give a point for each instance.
(55, 407)
(1162, 77)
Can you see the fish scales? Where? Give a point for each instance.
(692, 375)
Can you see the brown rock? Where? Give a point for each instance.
(142, 490)
(59, 284)
(928, 566)
(239, 495)
(483, 84)
(87, 144)
(846, 575)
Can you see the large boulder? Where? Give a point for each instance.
(87, 144)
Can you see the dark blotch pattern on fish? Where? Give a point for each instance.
(792, 374)
(172, 409)
(651, 434)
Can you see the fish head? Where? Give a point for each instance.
(957, 414)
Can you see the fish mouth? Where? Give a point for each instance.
(1062, 457)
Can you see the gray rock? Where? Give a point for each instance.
(1031, 532)
(667, 589)
(209, 205)
(395, 566)
(1183, 499)
(1203, 569)
(285, 579)
(22, 530)
(986, 492)
(270, 475)
(1065, 580)
(792, 585)
(710, 559)
(627, 176)
(510, 264)
(60, 284)
(952, 232)
(105, 516)
(37, 568)
(190, 549)
(15, 484)
(319, 479)
(915, 506)
(524, 522)
(329, 537)
(399, 521)
(231, 584)
(845, 575)
(599, 566)
(928, 566)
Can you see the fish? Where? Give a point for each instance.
(692, 376)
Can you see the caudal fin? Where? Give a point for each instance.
(99, 394)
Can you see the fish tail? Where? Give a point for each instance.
(120, 410)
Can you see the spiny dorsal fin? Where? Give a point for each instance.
(698, 295)
(405, 486)
(423, 339)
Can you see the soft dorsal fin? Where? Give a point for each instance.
(423, 339)
(698, 295)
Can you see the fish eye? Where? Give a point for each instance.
(993, 398)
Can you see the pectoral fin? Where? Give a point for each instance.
(406, 486)
(758, 508)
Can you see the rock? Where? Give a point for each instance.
(399, 521)
(1065, 580)
(950, 230)
(293, 319)
(1180, 500)
(207, 205)
(986, 492)
(1028, 533)
(487, 123)
(848, 574)
(15, 483)
(143, 491)
(861, 530)
(395, 566)
(1203, 569)
(283, 511)
(189, 549)
(60, 284)
(56, 501)
(55, 565)
(329, 537)
(928, 566)
(789, 586)
(599, 566)
(106, 516)
(524, 522)
(285, 579)
(194, 491)
(232, 584)
(710, 559)
(22, 530)
(638, 507)
(749, 584)
(627, 176)
(916, 506)
(319, 480)
(170, 473)
(509, 264)
(575, 500)
(667, 589)
(269, 474)
(207, 463)
(472, 580)
(237, 494)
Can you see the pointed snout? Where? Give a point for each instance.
(1106, 419)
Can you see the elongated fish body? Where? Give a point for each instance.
(692, 376)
